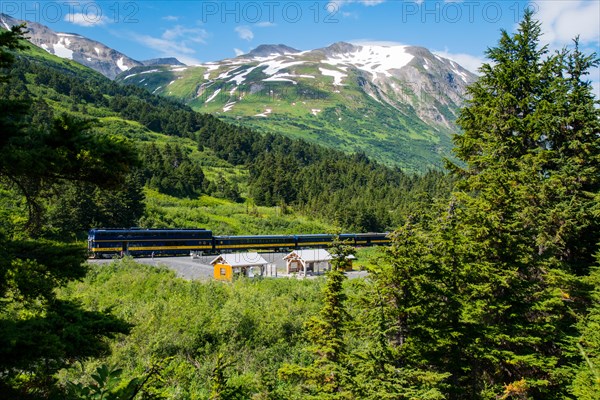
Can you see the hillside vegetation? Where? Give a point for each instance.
(488, 292)
(352, 98)
(185, 155)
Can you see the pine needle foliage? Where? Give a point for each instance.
(490, 291)
(39, 333)
(327, 377)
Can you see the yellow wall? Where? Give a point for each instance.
(223, 272)
(350, 266)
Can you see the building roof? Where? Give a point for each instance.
(240, 259)
(311, 255)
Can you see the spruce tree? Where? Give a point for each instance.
(489, 291)
(40, 333)
(530, 149)
(407, 320)
(327, 377)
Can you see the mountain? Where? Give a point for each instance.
(267, 50)
(397, 104)
(162, 61)
(184, 153)
(93, 54)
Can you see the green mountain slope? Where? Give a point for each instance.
(185, 154)
(62, 86)
(396, 104)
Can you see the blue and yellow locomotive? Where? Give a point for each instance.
(146, 242)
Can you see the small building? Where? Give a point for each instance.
(311, 260)
(230, 266)
(304, 261)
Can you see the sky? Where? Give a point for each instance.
(197, 31)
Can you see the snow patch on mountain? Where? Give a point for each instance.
(337, 75)
(262, 59)
(265, 113)
(274, 66)
(373, 59)
(4, 23)
(227, 73)
(212, 97)
(122, 65)
(228, 106)
(277, 78)
(61, 49)
(240, 78)
(457, 71)
(286, 78)
(374, 97)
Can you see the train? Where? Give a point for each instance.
(136, 242)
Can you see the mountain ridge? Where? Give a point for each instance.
(91, 53)
(265, 50)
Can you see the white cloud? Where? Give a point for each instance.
(370, 3)
(195, 35)
(244, 32)
(265, 24)
(239, 52)
(176, 42)
(562, 20)
(86, 20)
(596, 86)
(337, 4)
(467, 61)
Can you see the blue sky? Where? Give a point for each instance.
(198, 30)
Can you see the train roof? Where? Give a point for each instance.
(323, 235)
(145, 229)
(125, 231)
(253, 236)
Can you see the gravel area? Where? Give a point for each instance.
(200, 268)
